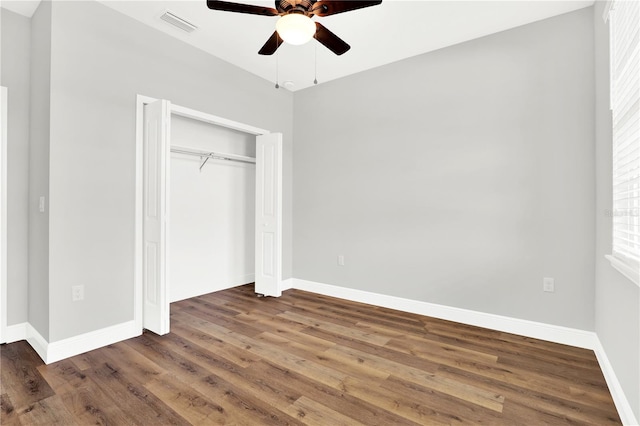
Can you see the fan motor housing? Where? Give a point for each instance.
(285, 6)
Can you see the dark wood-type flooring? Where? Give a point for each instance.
(233, 358)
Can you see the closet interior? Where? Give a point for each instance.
(211, 235)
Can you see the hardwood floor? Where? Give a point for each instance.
(233, 358)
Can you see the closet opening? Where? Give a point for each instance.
(211, 208)
(208, 208)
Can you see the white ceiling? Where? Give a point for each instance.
(378, 35)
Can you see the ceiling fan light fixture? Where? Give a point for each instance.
(295, 28)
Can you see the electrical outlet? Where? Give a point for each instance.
(341, 260)
(548, 284)
(77, 293)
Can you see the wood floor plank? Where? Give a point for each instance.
(337, 399)
(335, 328)
(574, 371)
(526, 379)
(225, 370)
(556, 406)
(248, 408)
(268, 351)
(412, 410)
(242, 396)
(8, 413)
(165, 356)
(299, 336)
(126, 361)
(20, 377)
(438, 351)
(88, 404)
(140, 405)
(247, 305)
(207, 311)
(195, 407)
(474, 394)
(508, 344)
(267, 322)
(299, 349)
(257, 385)
(449, 408)
(233, 358)
(312, 412)
(534, 375)
(514, 410)
(374, 349)
(48, 411)
(347, 307)
(63, 376)
(230, 352)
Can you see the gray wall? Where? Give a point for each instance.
(16, 36)
(39, 140)
(100, 61)
(460, 177)
(617, 308)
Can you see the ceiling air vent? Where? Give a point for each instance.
(178, 22)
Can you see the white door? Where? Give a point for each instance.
(157, 122)
(268, 275)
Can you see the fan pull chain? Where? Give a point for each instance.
(277, 56)
(315, 70)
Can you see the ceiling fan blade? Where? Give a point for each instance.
(331, 7)
(271, 45)
(330, 40)
(241, 8)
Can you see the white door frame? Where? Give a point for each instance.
(3, 213)
(183, 112)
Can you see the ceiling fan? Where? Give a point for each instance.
(295, 25)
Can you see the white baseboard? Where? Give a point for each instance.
(537, 330)
(56, 351)
(89, 341)
(617, 393)
(16, 332)
(25, 331)
(286, 284)
(37, 342)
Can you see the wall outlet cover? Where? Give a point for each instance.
(548, 284)
(77, 293)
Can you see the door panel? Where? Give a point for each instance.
(269, 214)
(157, 121)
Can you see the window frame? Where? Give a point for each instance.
(625, 264)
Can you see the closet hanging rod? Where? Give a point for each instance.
(214, 155)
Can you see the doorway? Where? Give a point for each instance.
(153, 152)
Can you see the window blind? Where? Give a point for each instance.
(624, 21)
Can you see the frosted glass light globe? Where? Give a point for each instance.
(295, 28)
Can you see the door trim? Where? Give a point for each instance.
(141, 100)
(3, 212)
